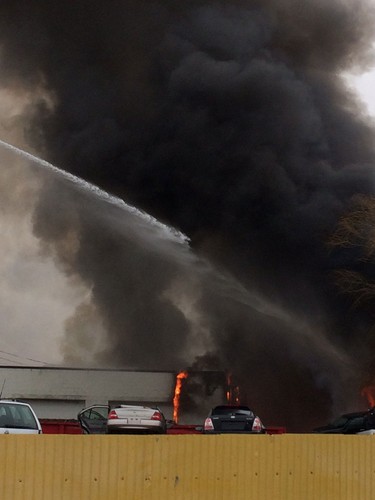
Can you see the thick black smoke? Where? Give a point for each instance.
(229, 121)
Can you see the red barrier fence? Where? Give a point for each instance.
(60, 426)
(275, 430)
(184, 429)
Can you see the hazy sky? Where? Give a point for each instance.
(35, 296)
(365, 87)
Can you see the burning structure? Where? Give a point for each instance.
(177, 395)
(230, 122)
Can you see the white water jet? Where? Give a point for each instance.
(225, 285)
(167, 231)
(228, 285)
(222, 284)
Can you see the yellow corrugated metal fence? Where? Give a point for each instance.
(187, 467)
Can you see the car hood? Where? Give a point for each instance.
(328, 429)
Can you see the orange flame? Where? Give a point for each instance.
(177, 393)
(229, 385)
(369, 393)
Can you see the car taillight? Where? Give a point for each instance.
(208, 425)
(112, 414)
(156, 416)
(257, 425)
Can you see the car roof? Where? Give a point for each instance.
(135, 407)
(10, 401)
(231, 407)
(355, 414)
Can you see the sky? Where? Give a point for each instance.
(364, 85)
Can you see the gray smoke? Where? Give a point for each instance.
(229, 121)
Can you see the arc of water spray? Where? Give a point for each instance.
(227, 285)
(170, 232)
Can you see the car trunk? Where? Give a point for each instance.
(232, 423)
(134, 416)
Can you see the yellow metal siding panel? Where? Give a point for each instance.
(195, 467)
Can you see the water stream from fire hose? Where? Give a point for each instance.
(225, 285)
(166, 231)
(176, 244)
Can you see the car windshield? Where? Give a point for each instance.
(339, 422)
(17, 416)
(356, 423)
(344, 420)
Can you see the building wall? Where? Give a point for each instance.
(56, 408)
(62, 392)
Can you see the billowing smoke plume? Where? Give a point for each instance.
(229, 121)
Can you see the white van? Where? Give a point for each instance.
(18, 418)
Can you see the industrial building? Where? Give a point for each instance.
(60, 392)
(63, 392)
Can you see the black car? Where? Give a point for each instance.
(233, 419)
(350, 423)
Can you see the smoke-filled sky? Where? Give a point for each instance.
(229, 121)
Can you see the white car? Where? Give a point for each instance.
(18, 418)
(136, 419)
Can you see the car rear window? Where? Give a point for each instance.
(225, 410)
(17, 416)
(340, 422)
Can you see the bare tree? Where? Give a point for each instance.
(356, 230)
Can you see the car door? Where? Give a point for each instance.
(93, 419)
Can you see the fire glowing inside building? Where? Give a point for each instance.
(177, 394)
